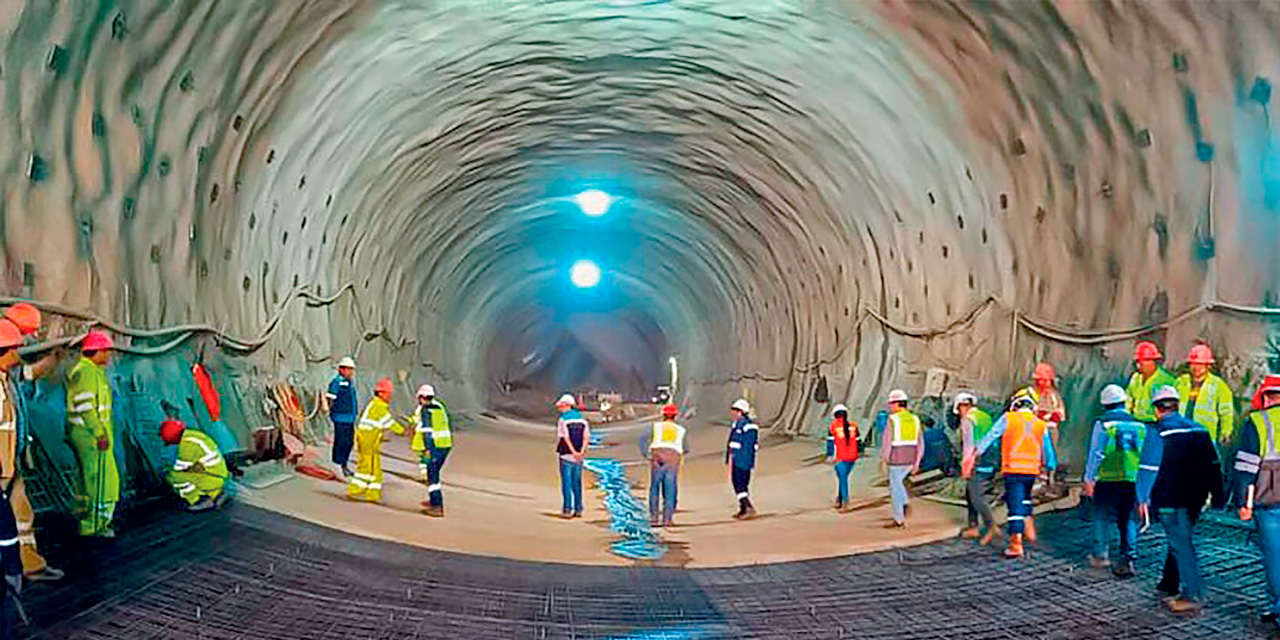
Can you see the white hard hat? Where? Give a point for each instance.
(1165, 393)
(426, 391)
(741, 405)
(898, 395)
(1112, 394)
(840, 409)
(964, 397)
(347, 362)
(567, 399)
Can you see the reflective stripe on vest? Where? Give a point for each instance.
(441, 436)
(667, 435)
(1264, 421)
(906, 429)
(1123, 451)
(1022, 444)
(1206, 407)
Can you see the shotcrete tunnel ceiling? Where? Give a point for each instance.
(801, 187)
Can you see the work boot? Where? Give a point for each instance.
(667, 523)
(577, 514)
(1031, 528)
(1096, 562)
(435, 512)
(748, 510)
(971, 533)
(47, 574)
(203, 504)
(566, 514)
(1123, 570)
(346, 473)
(1014, 550)
(838, 506)
(108, 533)
(1183, 606)
(654, 521)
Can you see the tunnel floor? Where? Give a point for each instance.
(250, 573)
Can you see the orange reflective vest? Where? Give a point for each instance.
(1022, 446)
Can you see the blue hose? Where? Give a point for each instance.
(628, 517)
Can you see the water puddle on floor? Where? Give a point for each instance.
(628, 517)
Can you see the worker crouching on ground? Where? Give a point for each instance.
(573, 438)
(199, 472)
(740, 455)
(901, 452)
(1177, 473)
(1149, 377)
(1110, 477)
(664, 445)
(366, 482)
(343, 406)
(433, 441)
(1258, 468)
(842, 447)
(91, 433)
(1025, 447)
(974, 426)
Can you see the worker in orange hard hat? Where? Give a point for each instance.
(91, 432)
(1206, 398)
(1149, 377)
(1049, 404)
(366, 482)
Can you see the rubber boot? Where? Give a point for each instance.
(1014, 550)
(748, 511)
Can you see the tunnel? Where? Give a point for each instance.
(800, 203)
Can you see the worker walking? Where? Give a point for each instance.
(199, 471)
(343, 406)
(573, 437)
(433, 440)
(1177, 473)
(1110, 477)
(366, 482)
(842, 447)
(901, 452)
(1149, 377)
(1025, 447)
(91, 433)
(1258, 467)
(664, 445)
(740, 455)
(974, 426)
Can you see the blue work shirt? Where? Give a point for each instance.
(342, 396)
(743, 443)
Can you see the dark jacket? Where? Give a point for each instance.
(743, 443)
(342, 395)
(1179, 466)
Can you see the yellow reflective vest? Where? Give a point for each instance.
(89, 399)
(438, 431)
(1215, 408)
(1140, 391)
(197, 448)
(377, 417)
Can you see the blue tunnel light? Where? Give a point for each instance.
(585, 274)
(594, 202)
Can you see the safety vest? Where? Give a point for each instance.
(1022, 446)
(1139, 390)
(377, 416)
(198, 448)
(1265, 422)
(89, 399)
(8, 427)
(441, 436)
(1124, 449)
(905, 429)
(981, 423)
(1215, 405)
(667, 435)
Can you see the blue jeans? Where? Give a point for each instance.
(843, 469)
(1113, 502)
(571, 486)
(1178, 528)
(1017, 497)
(663, 490)
(898, 491)
(1268, 519)
(435, 490)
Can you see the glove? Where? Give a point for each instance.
(15, 583)
(103, 444)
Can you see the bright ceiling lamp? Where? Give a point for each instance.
(584, 274)
(594, 202)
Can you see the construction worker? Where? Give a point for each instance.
(900, 452)
(91, 433)
(1025, 446)
(343, 407)
(1205, 398)
(1177, 473)
(433, 440)
(842, 447)
(1110, 477)
(1149, 377)
(1049, 404)
(366, 482)
(663, 444)
(974, 426)
(199, 471)
(1258, 468)
(740, 455)
(573, 435)
(13, 436)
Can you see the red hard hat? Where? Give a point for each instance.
(1200, 354)
(1044, 371)
(384, 386)
(171, 431)
(10, 336)
(1147, 351)
(670, 410)
(25, 316)
(97, 341)
(1270, 383)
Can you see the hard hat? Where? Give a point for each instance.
(426, 391)
(24, 316)
(1200, 354)
(898, 395)
(1147, 351)
(384, 386)
(567, 400)
(964, 397)
(347, 363)
(1270, 384)
(839, 409)
(1165, 393)
(670, 410)
(1112, 394)
(171, 431)
(1044, 371)
(741, 405)
(10, 336)
(1022, 398)
(96, 341)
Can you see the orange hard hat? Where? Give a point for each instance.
(25, 316)
(1044, 371)
(171, 431)
(670, 410)
(1147, 351)
(97, 341)
(384, 386)
(1200, 354)
(9, 335)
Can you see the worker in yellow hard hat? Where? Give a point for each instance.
(366, 482)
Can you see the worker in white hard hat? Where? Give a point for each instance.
(1110, 478)
(573, 435)
(740, 455)
(974, 426)
(901, 452)
(343, 410)
(433, 440)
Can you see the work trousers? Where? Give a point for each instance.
(32, 561)
(898, 491)
(1268, 521)
(843, 469)
(192, 486)
(98, 484)
(571, 486)
(1113, 503)
(664, 489)
(344, 434)
(435, 490)
(977, 493)
(366, 482)
(1017, 498)
(741, 479)
(1181, 568)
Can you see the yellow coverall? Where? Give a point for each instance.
(88, 423)
(32, 561)
(199, 470)
(366, 483)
